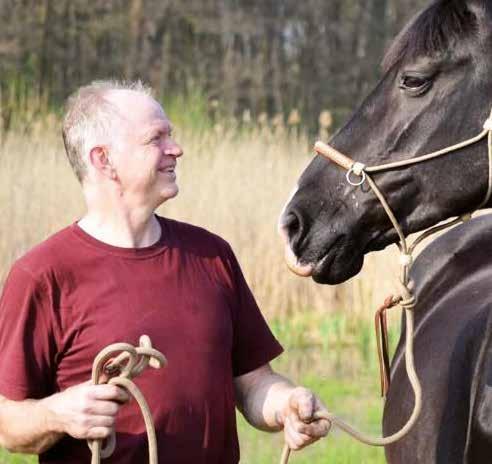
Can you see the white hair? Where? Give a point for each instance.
(90, 119)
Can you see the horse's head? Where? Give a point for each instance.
(436, 90)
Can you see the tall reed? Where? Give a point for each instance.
(233, 181)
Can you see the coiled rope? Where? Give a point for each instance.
(126, 361)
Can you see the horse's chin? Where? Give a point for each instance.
(337, 271)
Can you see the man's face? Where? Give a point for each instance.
(144, 154)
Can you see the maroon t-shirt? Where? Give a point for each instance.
(72, 295)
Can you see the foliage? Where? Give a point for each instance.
(262, 56)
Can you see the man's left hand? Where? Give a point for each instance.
(301, 428)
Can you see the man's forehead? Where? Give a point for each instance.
(136, 107)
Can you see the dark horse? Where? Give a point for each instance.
(436, 90)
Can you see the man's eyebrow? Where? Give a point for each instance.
(162, 129)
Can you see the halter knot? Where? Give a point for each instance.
(406, 259)
(408, 303)
(357, 168)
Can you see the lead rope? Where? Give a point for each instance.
(406, 299)
(126, 361)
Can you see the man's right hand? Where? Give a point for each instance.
(85, 411)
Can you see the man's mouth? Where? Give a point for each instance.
(168, 169)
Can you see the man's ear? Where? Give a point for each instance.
(100, 160)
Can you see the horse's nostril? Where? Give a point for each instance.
(292, 224)
(292, 228)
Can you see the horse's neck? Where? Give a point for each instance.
(453, 257)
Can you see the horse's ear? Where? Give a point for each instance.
(482, 9)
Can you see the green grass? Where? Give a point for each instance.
(7, 458)
(354, 401)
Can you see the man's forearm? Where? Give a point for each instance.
(25, 426)
(262, 403)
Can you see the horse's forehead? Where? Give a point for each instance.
(443, 26)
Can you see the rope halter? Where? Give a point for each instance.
(357, 174)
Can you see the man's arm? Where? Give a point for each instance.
(84, 411)
(271, 402)
(24, 428)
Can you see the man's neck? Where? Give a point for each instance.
(127, 229)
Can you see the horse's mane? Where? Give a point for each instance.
(432, 31)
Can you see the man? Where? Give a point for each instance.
(122, 271)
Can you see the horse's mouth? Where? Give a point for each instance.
(311, 267)
(380, 241)
(324, 264)
(332, 267)
(335, 267)
(295, 265)
(339, 260)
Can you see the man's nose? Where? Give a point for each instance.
(173, 149)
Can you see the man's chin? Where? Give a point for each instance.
(168, 193)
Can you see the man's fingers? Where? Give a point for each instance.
(294, 439)
(297, 424)
(303, 402)
(301, 427)
(96, 433)
(317, 429)
(102, 421)
(109, 392)
(104, 408)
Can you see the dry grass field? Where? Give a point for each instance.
(232, 182)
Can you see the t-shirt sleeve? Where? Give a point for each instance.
(253, 342)
(27, 342)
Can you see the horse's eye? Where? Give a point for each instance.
(415, 85)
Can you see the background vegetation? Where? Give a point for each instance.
(247, 85)
(255, 56)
